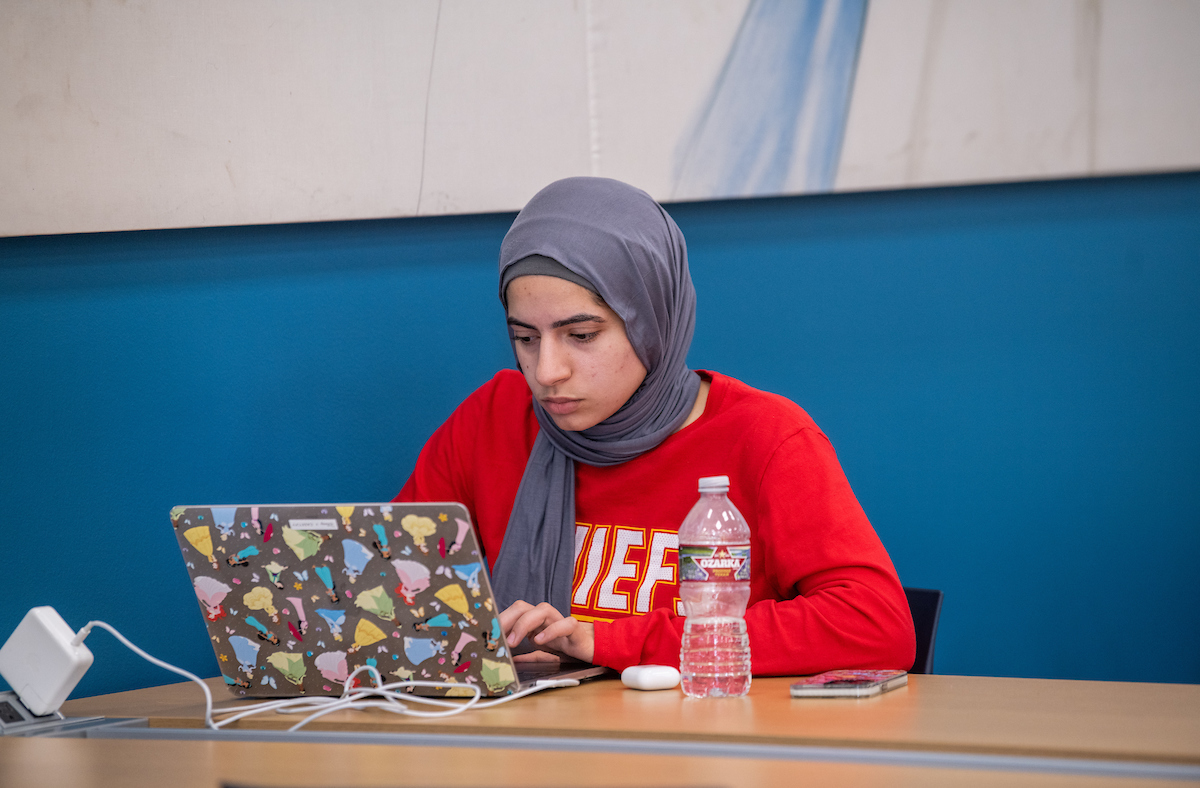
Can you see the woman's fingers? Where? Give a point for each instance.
(521, 619)
(561, 628)
(510, 614)
(545, 626)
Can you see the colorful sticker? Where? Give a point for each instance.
(719, 564)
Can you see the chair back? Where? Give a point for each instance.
(926, 606)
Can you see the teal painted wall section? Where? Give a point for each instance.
(1008, 372)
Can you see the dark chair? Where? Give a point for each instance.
(926, 605)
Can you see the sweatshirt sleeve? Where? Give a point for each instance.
(824, 593)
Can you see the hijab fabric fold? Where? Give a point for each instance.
(619, 239)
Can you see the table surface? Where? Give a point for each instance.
(91, 763)
(1120, 721)
(87, 763)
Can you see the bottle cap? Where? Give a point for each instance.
(712, 484)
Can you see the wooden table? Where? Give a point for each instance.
(940, 730)
(1110, 721)
(91, 763)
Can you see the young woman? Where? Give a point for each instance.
(579, 468)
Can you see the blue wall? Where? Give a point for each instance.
(1009, 374)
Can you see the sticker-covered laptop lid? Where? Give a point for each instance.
(296, 597)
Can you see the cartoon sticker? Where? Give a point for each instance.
(356, 558)
(201, 538)
(298, 632)
(375, 600)
(414, 578)
(454, 597)
(419, 528)
(303, 543)
(497, 675)
(365, 634)
(246, 652)
(211, 593)
(335, 619)
(260, 598)
(290, 665)
(381, 541)
(332, 665)
(223, 517)
(470, 574)
(420, 649)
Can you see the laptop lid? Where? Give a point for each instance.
(296, 596)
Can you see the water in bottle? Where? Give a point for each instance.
(714, 586)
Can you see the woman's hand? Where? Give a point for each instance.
(548, 630)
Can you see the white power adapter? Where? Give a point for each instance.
(40, 661)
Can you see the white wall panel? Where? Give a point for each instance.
(508, 109)
(163, 113)
(147, 114)
(877, 148)
(1000, 93)
(1149, 78)
(957, 91)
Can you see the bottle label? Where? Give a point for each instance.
(714, 564)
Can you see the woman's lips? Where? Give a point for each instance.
(560, 406)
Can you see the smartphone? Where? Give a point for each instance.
(849, 683)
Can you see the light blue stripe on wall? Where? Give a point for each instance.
(774, 120)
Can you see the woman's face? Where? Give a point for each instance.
(573, 351)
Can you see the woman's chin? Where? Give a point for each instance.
(574, 422)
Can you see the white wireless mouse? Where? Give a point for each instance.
(650, 677)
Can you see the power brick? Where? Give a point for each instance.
(40, 662)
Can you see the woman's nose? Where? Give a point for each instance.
(553, 365)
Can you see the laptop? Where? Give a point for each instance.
(297, 596)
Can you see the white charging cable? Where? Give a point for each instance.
(82, 634)
(388, 697)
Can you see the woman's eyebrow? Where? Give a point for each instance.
(582, 317)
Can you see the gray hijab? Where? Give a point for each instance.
(622, 242)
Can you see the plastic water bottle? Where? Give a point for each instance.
(714, 586)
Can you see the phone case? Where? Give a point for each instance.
(849, 683)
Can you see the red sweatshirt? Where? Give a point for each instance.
(823, 592)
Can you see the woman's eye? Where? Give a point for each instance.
(585, 337)
(522, 340)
